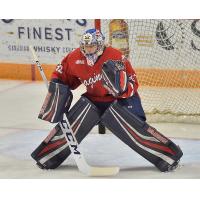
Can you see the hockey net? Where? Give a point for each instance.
(166, 58)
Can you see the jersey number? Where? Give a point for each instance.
(59, 68)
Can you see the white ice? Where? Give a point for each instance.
(21, 132)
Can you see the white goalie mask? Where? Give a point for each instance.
(92, 37)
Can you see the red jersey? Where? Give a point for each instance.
(74, 71)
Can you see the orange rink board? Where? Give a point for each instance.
(147, 77)
(15, 71)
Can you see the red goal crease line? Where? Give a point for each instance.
(152, 77)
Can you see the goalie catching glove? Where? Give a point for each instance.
(114, 77)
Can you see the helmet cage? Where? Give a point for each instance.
(92, 37)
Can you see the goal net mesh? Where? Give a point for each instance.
(166, 58)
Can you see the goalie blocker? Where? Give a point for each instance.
(141, 137)
(83, 116)
(57, 101)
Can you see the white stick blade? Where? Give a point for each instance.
(103, 171)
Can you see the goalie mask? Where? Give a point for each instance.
(92, 38)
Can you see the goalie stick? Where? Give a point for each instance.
(82, 165)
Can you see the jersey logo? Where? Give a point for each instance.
(132, 78)
(92, 80)
(80, 62)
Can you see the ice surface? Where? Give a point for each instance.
(21, 132)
